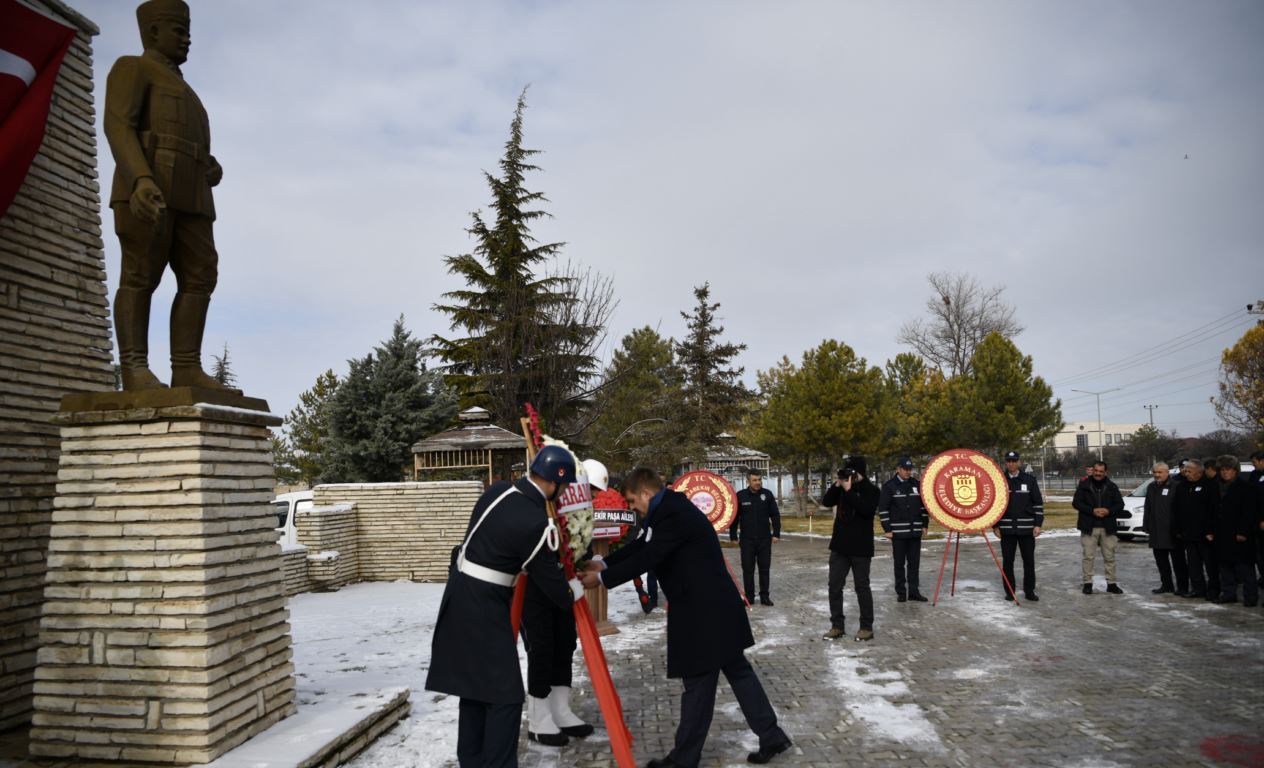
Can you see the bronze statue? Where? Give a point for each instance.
(161, 197)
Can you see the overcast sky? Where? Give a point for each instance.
(813, 160)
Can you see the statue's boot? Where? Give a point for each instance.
(188, 321)
(131, 326)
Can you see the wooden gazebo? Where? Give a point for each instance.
(476, 444)
(732, 461)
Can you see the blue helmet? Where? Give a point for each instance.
(554, 463)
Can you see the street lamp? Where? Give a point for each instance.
(1098, 395)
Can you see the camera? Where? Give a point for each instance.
(846, 473)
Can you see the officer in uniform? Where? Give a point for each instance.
(550, 636)
(1020, 525)
(474, 654)
(904, 519)
(757, 525)
(161, 197)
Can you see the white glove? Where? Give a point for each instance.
(577, 589)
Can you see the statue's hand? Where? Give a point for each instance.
(147, 203)
(214, 173)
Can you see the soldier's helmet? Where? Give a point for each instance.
(554, 463)
(154, 10)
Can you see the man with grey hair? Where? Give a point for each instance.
(1159, 522)
(1192, 509)
(1233, 534)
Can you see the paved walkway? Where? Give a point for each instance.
(1073, 680)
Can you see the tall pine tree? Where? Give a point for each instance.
(523, 339)
(387, 402)
(223, 370)
(307, 429)
(713, 395)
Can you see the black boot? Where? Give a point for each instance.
(188, 321)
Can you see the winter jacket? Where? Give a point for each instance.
(853, 520)
(1026, 508)
(1088, 496)
(757, 516)
(900, 508)
(1159, 520)
(1192, 507)
(1235, 516)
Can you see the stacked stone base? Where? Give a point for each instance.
(164, 636)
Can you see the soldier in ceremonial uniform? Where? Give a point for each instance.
(757, 525)
(161, 197)
(707, 627)
(904, 519)
(550, 636)
(1020, 525)
(474, 654)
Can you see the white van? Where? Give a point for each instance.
(287, 505)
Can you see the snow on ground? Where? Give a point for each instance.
(870, 696)
(1001, 615)
(1205, 628)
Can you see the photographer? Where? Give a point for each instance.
(851, 545)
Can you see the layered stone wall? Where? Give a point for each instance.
(54, 340)
(404, 530)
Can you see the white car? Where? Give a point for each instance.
(287, 505)
(1133, 516)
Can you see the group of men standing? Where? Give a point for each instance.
(1206, 529)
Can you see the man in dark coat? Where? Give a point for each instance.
(757, 525)
(707, 628)
(1159, 523)
(1099, 503)
(1233, 534)
(1192, 508)
(1020, 525)
(474, 653)
(1256, 479)
(851, 545)
(904, 519)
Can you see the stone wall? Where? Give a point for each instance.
(405, 530)
(329, 534)
(294, 559)
(54, 340)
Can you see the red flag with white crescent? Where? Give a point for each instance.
(32, 47)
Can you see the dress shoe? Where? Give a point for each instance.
(1161, 590)
(767, 753)
(918, 597)
(1088, 589)
(1007, 596)
(901, 599)
(1031, 597)
(663, 762)
(765, 601)
(1114, 589)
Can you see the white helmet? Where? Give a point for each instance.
(597, 473)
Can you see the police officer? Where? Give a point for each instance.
(161, 196)
(1020, 525)
(473, 654)
(550, 637)
(904, 519)
(758, 525)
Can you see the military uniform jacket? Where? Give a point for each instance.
(1026, 509)
(157, 127)
(900, 508)
(1192, 509)
(1088, 496)
(706, 625)
(1235, 516)
(758, 518)
(1159, 520)
(474, 653)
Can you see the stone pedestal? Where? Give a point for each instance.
(164, 636)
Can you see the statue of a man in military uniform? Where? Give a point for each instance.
(161, 197)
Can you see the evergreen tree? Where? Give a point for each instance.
(527, 336)
(636, 406)
(387, 402)
(283, 466)
(713, 395)
(223, 372)
(307, 429)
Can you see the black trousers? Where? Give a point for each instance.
(550, 636)
(487, 734)
(1204, 571)
(1026, 546)
(1234, 574)
(907, 554)
(1169, 561)
(697, 706)
(839, 566)
(756, 551)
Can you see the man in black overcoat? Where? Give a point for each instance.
(1234, 529)
(707, 628)
(474, 653)
(1159, 523)
(1193, 508)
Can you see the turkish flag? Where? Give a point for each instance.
(32, 47)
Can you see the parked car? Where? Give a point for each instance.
(287, 505)
(1133, 516)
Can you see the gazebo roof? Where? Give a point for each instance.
(472, 437)
(734, 451)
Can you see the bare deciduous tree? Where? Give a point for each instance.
(960, 314)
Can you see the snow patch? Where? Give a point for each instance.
(869, 696)
(990, 609)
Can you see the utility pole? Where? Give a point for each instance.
(1150, 408)
(1100, 432)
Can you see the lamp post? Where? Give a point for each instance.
(1098, 395)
